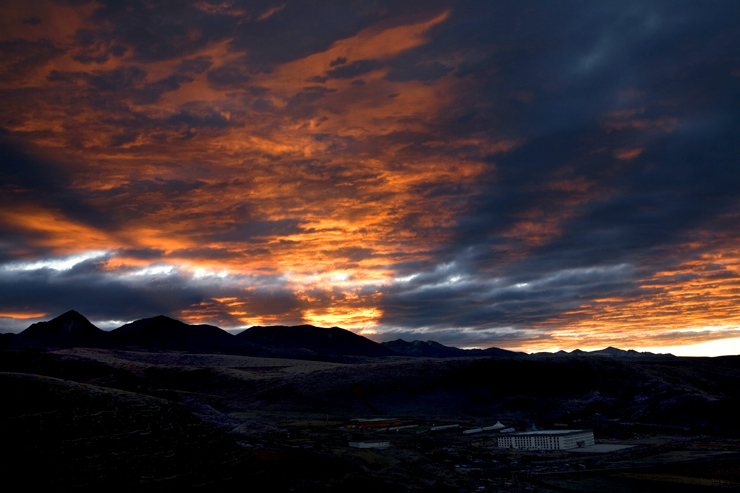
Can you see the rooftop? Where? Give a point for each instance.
(548, 432)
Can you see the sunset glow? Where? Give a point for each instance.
(477, 173)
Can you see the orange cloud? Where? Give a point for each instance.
(23, 315)
(627, 154)
(55, 231)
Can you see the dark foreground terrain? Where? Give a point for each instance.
(82, 418)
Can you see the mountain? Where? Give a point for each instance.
(433, 349)
(494, 351)
(70, 329)
(610, 352)
(167, 333)
(620, 353)
(7, 340)
(427, 349)
(307, 340)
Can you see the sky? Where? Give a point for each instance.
(520, 174)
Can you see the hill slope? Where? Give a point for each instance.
(70, 329)
(167, 333)
(433, 349)
(307, 340)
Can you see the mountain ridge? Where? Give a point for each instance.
(67, 330)
(72, 329)
(333, 341)
(162, 332)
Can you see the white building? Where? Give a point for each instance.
(370, 444)
(547, 439)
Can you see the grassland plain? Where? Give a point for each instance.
(83, 418)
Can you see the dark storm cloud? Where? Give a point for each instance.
(231, 75)
(161, 30)
(21, 171)
(270, 32)
(91, 49)
(459, 296)
(141, 253)
(351, 253)
(95, 56)
(681, 182)
(577, 64)
(195, 65)
(94, 295)
(103, 295)
(258, 231)
(405, 70)
(28, 179)
(168, 189)
(354, 69)
(309, 95)
(19, 57)
(207, 120)
(203, 254)
(72, 2)
(151, 92)
(301, 29)
(126, 82)
(104, 81)
(139, 199)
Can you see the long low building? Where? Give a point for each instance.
(547, 439)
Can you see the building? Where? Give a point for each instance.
(373, 422)
(370, 444)
(547, 439)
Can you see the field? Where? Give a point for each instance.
(85, 418)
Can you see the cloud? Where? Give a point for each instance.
(20, 57)
(232, 75)
(353, 69)
(129, 82)
(259, 231)
(195, 65)
(476, 171)
(429, 72)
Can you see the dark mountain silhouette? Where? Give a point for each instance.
(67, 330)
(620, 353)
(428, 349)
(433, 349)
(7, 340)
(167, 333)
(307, 340)
(494, 351)
(610, 352)
(304, 341)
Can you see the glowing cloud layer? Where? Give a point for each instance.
(480, 173)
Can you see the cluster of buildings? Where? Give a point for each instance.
(547, 439)
(507, 437)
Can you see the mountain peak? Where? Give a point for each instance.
(71, 315)
(68, 329)
(309, 339)
(68, 322)
(163, 332)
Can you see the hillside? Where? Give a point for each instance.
(171, 420)
(70, 329)
(166, 333)
(308, 340)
